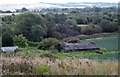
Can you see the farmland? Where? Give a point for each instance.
(110, 43)
(40, 37)
(109, 50)
(51, 62)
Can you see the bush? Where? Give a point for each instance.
(33, 44)
(49, 55)
(20, 41)
(48, 43)
(41, 70)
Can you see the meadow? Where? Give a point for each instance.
(110, 42)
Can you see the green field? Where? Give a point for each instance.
(110, 42)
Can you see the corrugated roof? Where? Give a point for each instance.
(8, 49)
(83, 45)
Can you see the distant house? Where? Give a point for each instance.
(83, 45)
(9, 49)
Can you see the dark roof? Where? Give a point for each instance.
(83, 45)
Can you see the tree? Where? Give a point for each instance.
(48, 43)
(7, 36)
(20, 41)
(24, 9)
(71, 22)
(38, 32)
(28, 24)
(108, 26)
(7, 39)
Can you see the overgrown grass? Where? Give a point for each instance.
(68, 66)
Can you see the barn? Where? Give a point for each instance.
(83, 45)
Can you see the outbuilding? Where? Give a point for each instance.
(9, 49)
(80, 46)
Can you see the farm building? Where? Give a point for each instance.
(83, 45)
(9, 49)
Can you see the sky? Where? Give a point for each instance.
(50, 1)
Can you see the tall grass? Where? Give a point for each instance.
(68, 66)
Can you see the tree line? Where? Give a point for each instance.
(37, 26)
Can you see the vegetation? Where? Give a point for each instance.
(60, 67)
(48, 43)
(110, 42)
(37, 26)
(20, 41)
(41, 70)
(38, 35)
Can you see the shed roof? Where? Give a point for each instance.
(83, 45)
(8, 49)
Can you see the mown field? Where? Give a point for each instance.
(110, 43)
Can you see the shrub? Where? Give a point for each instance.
(41, 70)
(48, 43)
(33, 44)
(49, 55)
(20, 41)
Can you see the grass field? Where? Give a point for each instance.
(110, 42)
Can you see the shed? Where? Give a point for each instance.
(83, 45)
(9, 49)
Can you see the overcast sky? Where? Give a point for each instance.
(50, 1)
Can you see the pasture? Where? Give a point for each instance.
(110, 43)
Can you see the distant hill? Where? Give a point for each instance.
(57, 5)
(71, 4)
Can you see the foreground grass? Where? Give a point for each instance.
(68, 66)
(31, 61)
